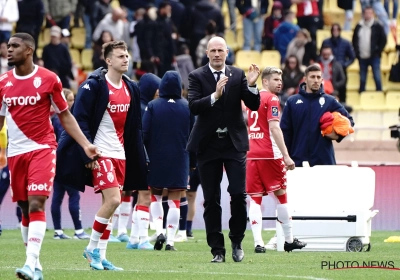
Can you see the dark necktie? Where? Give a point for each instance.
(218, 75)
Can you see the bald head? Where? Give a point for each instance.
(216, 40)
(217, 51)
(117, 14)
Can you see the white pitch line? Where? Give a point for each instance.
(192, 272)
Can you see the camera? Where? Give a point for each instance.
(395, 130)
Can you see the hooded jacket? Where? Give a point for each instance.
(89, 107)
(301, 128)
(148, 85)
(166, 128)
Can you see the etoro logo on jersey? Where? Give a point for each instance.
(118, 108)
(21, 100)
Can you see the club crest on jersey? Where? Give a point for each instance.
(275, 111)
(110, 177)
(322, 101)
(37, 81)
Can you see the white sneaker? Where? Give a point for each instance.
(153, 238)
(180, 238)
(272, 244)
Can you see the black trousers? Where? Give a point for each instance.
(218, 154)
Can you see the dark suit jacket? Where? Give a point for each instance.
(226, 110)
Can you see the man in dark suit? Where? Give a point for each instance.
(219, 137)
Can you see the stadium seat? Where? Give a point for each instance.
(347, 34)
(354, 67)
(392, 86)
(78, 37)
(270, 58)
(385, 63)
(390, 117)
(245, 58)
(353, 81)
(76, 57)
(370, 85)
(393, 100)
(86, 57)
(353, 99)
(230, 38)
(372, 100)
(391, 44)
(321, 36)
(367, 119)
(45, 37)
(115, 4)
(39, 52)
(239, 37)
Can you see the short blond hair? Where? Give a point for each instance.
(268, 71)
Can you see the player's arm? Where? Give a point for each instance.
(72, 128)
(278, 137)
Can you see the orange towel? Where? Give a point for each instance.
(335, 122)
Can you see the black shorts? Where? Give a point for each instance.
(194, 181)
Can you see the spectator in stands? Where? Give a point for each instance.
(185, 65)
(303, 47)
(332, 71)
(369, 40)
(139, 14)
(58, 12)
(177, 13)
(66, 37)
(380, 12)
(395, 7)
(165, 39)
(115, 23)
(271, 23)
(300, 122)
(342, 51)
(98, 58)
(308, 16)
(211, 30)
(291, 78)
(88, 7)
(196, 19)
(100, 9)
(148, 44)
(31, 18)
(56, 57)
(348, 6)
(59, 190)
(285, 33)
(253, 14)
(232, 12)
(132, 6)
(3, 58)
(9, 14)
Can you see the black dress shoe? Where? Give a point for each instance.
(218, 259)
(170, 248)
(237, 252)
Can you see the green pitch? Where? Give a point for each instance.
(62, 259)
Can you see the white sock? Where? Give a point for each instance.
(59, 231)
(172, 223)
(134, 238)
(115, 217)
(286, 222)
(38, 265)
(37, 229)
(157, 212)
(143, 217)
(24, 233)
(255, 217)
(99, 226)
(124, 211)
(103, 242)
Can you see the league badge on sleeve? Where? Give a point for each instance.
(275, 111)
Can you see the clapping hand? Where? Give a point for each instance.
(253, 74)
